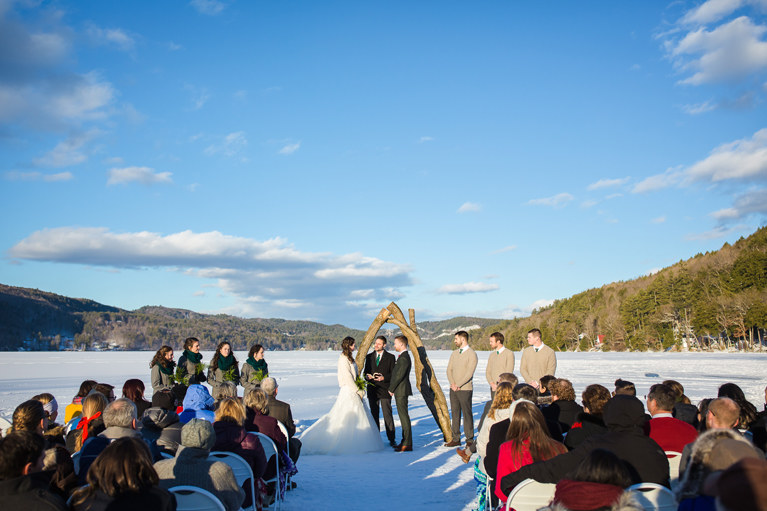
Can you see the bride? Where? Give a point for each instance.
(348, 427)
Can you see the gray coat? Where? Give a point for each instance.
(245, 375)
(191, 369)
(191, 466)
(216, 378)
(160, 380)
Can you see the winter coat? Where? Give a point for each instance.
(562, 412)
(508, 462)
(624, 417)
(160, 380)
(216, 378)
(30, 493)
(231, 437)
(198, 404)
(257, 421)
(484, 433)
(95, 427)
(626, 502)
(281, 411)
(247, 373)
(95, 445)
(586, 425)
(152, 498)
(190, 368)
(191, 466)
(162, 426)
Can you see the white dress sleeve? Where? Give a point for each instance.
(346, 373)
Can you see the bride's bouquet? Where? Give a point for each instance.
(361, 386)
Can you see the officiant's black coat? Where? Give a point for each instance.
(379, 389)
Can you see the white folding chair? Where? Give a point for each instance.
(530, 495)
(287, 439)
(489, 489)
(192, 498)
(270, 449)
(241, 469)
(674, 459)
(654, 497)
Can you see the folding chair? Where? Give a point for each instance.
(530, 495)
(192, 498)
(674, 459)
(241, 469)
(654, 497)
(270, 449)
(287, 439)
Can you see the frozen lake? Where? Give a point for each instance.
(432, 475)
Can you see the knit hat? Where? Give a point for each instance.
(742, 486)
(583, 495)
(728, 451)
(51, 407)
(198, 433)
(163, 399)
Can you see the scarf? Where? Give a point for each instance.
(257, 364)
(224, 363)
(581, 495)
(193, 357)
(167, 369)
(83, 424)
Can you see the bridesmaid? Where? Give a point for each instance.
(191, 361)
(162, 367)
(223, 367)
(251, 378)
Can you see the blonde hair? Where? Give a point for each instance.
(503, 398)
(93, 404)
(257, 400)
(230, 410)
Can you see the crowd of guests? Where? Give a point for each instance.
(595, 450)
(125, 453)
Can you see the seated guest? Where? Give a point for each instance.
(198, 404)
(192, 466)
(527, 441)
(702, 413)
(589, 422)
(161, 424)
(598, 484)
(122, 477)
(29, 416)
(722, 413)
(507, 377)
(670, 433)
(747, 409)
(58, 462)
(257, 420)
(106, 389)
(683, 409)
(22, 483)
(563, 409)
(624, 387)
(624, 417)
(232, 437)
(225, 389)
(544, 387)
(90, 424)
(53, 433)
(133, 389)
(741, 487)
(280, 410)
(75, 408)
(713, 451)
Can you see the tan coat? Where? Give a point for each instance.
(460, 368)
(499, 363)
(535, 365)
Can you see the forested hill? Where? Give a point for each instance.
(714, 300)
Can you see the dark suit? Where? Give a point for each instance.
(400, 387)
(378, 391)
(280, 410)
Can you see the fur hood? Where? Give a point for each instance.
(626, 502)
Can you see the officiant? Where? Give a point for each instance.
(378, 368)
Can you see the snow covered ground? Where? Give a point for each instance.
(432, 476)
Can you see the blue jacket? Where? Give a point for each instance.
(198, 404)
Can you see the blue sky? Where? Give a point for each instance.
(316, 160)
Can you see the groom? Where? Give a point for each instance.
(378, 367)
(399, 387)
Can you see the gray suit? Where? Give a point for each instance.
(399, 385)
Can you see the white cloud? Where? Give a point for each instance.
(68, 152)
(112, 36)
(267, 278)
(469, 207)
(652, 271)
(230, 145)
(732, 50)
(174, 46)
(59, 176)
(290, 148)
(466, 288)
(753, 202)
(669, 178)
(658, 220)
(717, 232)
(607, 183)
(198, 95)
(15, 175)
(543, 302)
(143, 175)
(589, 203)
(555, 201)
(504, 249)
(710, 11)
(208, 7)
(744, 159)
(198, 293)
(699, 108)
(425, 139)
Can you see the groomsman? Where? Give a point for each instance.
(378, 368)
(399, 388)
(460, 372)
(500, 361)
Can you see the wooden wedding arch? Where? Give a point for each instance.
(393, 314)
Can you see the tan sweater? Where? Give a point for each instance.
(534, 365)
(499, 363)
(460, 368)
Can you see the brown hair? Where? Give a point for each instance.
(504, 396)
(256, 399)
(230, 410)
(498, 336)
(678, 391)
(726, 411)
(663, 395)
(28, 416)
(159, 358)
(124, 466)
(189, 341)
(528, 423)
(463, 334)
(214, 361)
(563, 389)
(595, 397)
(346, 347)
(254, 349)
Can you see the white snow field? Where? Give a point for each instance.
(430, 477)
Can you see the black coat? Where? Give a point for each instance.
(562, 412)
(379, 389)
(400, 376)
(281, 411)
(30, 493)
(153, 498)
(624, 416)
(585, 426)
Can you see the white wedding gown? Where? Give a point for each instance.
(348, 427)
